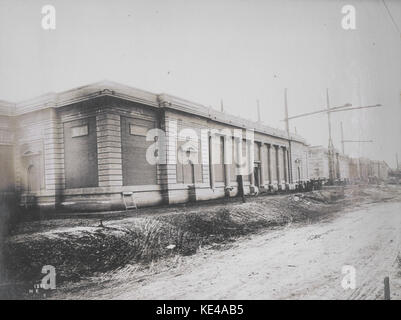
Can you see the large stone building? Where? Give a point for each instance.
(93, 148)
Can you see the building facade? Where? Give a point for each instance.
(107, 146)
(7, 170)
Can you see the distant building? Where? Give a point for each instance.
(318, 162)
(345, 168)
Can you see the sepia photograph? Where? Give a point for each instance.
(200, 155)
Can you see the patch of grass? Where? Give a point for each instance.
(81, 251)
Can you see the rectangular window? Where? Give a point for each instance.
(136, 130)
(79, 131)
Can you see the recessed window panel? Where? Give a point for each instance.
(136, 130)
(79, 131)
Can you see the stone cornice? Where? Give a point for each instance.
(6, 108)
(91, 91)
(113, 89)
(172, 102)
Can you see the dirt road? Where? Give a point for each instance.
(295, 262)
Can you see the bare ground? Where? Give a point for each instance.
(292, 262)
(301, 256)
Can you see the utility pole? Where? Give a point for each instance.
(221, 105)
(329, 110)
(396, 159)
(287, 129)
(343, 141)
(331, 146)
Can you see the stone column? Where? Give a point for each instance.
(285, 164)
(276, 147)
(167, 169)
(212, 141)
(108, 127)
(251, 162)
(227, 157)
(262, 156)
(54, 157)
(269, 163)
(289, 160)
(204, 140)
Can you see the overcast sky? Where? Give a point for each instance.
(205, 51)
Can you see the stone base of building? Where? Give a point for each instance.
(125, 198)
